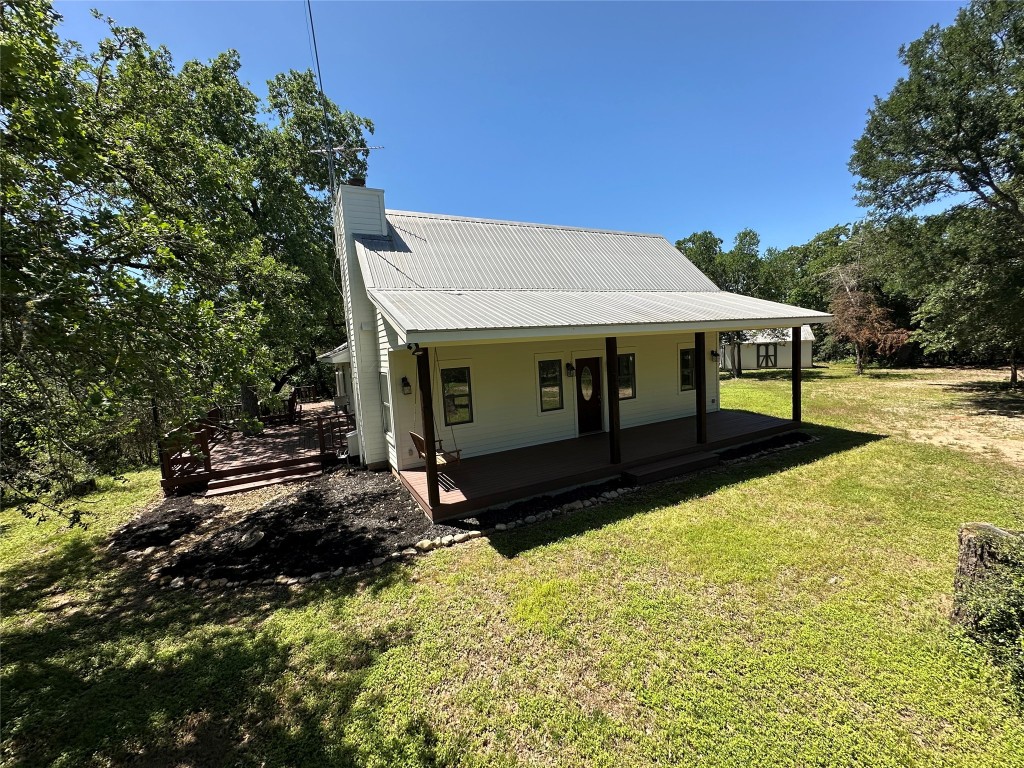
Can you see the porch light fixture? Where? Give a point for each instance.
(570, 370)
(714, 354)
(406, 386)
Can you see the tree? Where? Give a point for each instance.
(952, 128)
(952, 131)
(163, 242)
(858, 316)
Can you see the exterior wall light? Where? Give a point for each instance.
(714, 354)
(406, 386)
(570, 370)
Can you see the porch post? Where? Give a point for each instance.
(700, 353)
(797, 373)
(611, 352)
(427, 417)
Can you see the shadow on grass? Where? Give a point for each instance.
(776, 374)
(989, 398)
(831, 440)
(99, 669)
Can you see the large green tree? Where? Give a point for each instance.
(952, 131)
(165, 238)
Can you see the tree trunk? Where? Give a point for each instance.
(981, 547)
(280, 382)
(1013, 367)
(737, 362)
(860, 359)
(250, 400)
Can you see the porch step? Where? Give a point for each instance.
(263, 466)
(661, 470)
(249, 481)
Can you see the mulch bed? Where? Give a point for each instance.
(344, 518)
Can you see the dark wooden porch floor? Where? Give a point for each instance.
(483, 481)
(277, 443)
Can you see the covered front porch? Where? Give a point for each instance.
(476, 483)
(448, 488)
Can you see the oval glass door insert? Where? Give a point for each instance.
(586, 383)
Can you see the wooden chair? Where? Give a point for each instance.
(443, 457)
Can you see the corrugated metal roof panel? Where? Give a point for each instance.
(433, 310)
(447, 252)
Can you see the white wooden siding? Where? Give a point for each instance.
(505, 391)
(784, 358)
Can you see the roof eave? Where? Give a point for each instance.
(427, 337)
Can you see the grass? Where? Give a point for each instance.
(786, 611)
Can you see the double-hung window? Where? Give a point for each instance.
(627, 376)
(549, 379)
(687, 373)
(457, 395)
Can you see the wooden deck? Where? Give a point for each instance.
(483, 481)
(277, 443)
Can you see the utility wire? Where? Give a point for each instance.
(323, 98)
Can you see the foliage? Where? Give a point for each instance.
(996, 604)
(952, 127)
(166, 237)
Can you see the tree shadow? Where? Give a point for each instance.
(831, 440)
(777, 374)
(127, 674)
(988, 398)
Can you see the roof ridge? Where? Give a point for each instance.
(450, 289)
(509, 223)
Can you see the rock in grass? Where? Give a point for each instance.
(531, 518)
(461, 537)
(473, 534)
(377, 561)
(408, 552)
(178, 583)
(424, 545)
(500, 527)
(447, 540)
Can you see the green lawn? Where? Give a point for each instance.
(786, 611)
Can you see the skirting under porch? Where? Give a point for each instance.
(480, 482)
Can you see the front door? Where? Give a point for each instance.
(588, 394)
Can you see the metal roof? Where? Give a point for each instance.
(339, 354)
(432, 251)
(471, 278)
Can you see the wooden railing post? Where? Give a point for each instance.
(320, 434)
(700, 354)
(204, 445)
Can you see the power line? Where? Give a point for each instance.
(323, 97)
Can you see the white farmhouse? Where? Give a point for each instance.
(488, 361)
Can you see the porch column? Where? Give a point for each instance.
(427, 417)
(797, 373)
(700, 354)
(611, 353)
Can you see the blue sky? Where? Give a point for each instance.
(653, 117)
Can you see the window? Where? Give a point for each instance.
(627, 376)
(687, 376)
(385, 402)
(549, 375)
(767, 355)
(457, 396)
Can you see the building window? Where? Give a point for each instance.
(549, 374)
(627, 376)
(385, 402)
(457, 395)
(767, 355)
(687, 375)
